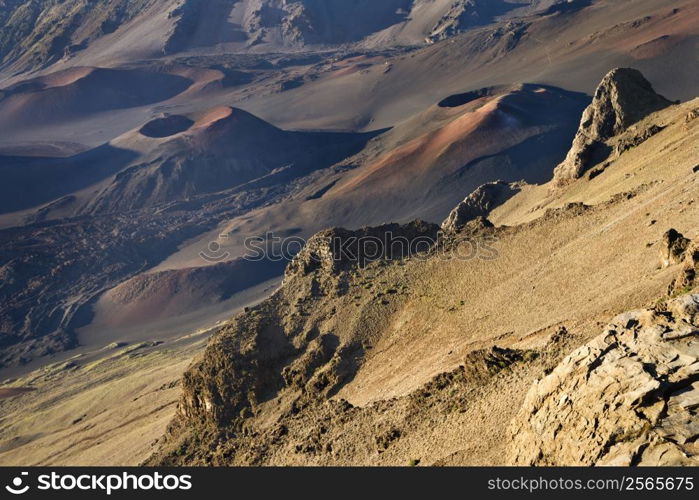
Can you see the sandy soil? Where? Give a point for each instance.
(95, 409)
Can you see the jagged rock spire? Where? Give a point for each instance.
(623, 98)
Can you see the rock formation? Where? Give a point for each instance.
(676, 249)
(271, 347)
(338, 249)
(629, 397)
(673, 247)
(623, 98)
(687, 277)
(478, 204)
(463, 14)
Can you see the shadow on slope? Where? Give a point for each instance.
(78, 92)
(512, 133)
(146, 301)
(31, 181)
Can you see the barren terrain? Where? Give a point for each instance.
(143, 143)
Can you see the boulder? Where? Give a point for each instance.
(673, 248)
(629, 397)
(677, 249)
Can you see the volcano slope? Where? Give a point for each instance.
(149, 195)
(422, 359)
(571, 49)
(185, 179)
(371, 84)
(421, 167)
(87, 236)
(128, 29)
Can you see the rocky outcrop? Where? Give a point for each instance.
(296, 23)
(623, 98)
(464, 14)
(275, 345)
(687, 277)
(629, 397)
(478, 204)
(673, 247)
(676, 249)
(335, 250)
(630, 142)
(42, 32)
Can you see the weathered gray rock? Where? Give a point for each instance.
(478, 204)
(624, 97)
(629, 397)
